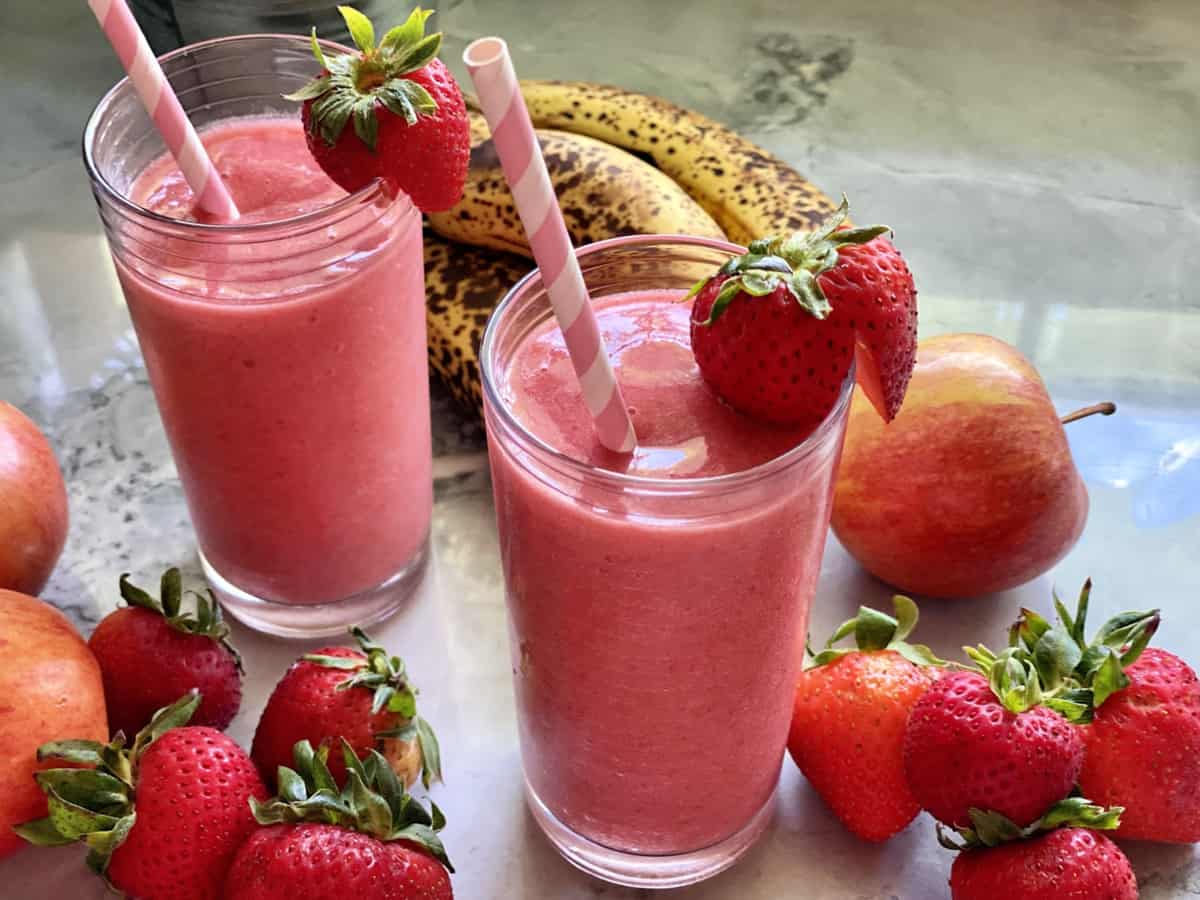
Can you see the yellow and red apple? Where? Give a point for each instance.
(50, 689)
(971, 489)
(33, 504)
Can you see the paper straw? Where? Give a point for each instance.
(146, 75)
(524, 168)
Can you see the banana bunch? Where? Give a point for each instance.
(621, 163)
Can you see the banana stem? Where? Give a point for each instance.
(1105, 409)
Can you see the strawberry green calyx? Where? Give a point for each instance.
(1081, 672)
(385, 676)
(794, 262)
(352, 86)
(875, 630)
(1012, 677)
(991, 829)
(95, 804)
(205, 621)
(372, 801)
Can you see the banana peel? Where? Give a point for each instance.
(721, 184)
(463, 284)
(603, 191)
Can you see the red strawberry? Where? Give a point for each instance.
(1064, 864)
(151, 653)
(1142, 748)
(1143, 751)
(1061, 856)
(371, 842)
(774, 331)
(164, 817)
(847, 733)
(363, 697)
(391, 111)
(974, 744)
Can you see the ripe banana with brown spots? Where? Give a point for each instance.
(749, 192)
(463, 284)
(603, 192)
(746, 192)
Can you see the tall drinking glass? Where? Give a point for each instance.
(657, 625)
(287, 357)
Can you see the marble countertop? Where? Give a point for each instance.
(1040, 165)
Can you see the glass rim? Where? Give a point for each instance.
(354, 199)
(535, 445)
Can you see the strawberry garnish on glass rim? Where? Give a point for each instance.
(774, 330)
(406, 115)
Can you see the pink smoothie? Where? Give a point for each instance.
(290, 370)
(656, 643)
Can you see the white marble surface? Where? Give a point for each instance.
(1041, 166)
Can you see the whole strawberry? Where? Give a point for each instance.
(1142, 746)
(371, 841)
(391, 111)
(163, 817)
(985, 742)
(1061, 857)
(361, 696)
(151, 652)
(848, 722)
(775, 330)
(1143, 750)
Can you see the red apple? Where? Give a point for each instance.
(50, 690)
(971, 489)
(33, 504)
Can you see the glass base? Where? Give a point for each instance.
(297, 620)
(640, 871)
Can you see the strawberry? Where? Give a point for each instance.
(371, 841)
(847, 733)
(774, 331)
(1142, 746)
(361, 696)
(1060, 857)
(151, 653)
(1143, 750)
(986, 742)
(410, 125)
(163, 817)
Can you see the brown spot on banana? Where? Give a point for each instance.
(463, 284)
(749, 192)
(602, 190)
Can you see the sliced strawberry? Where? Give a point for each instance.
(872, 283)
(774, 330)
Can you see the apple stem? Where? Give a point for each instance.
(1105, 409)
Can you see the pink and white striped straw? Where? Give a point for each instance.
(146, 75)
(524, 168)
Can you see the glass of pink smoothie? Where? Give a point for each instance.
(658, 603)
(287, 352)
